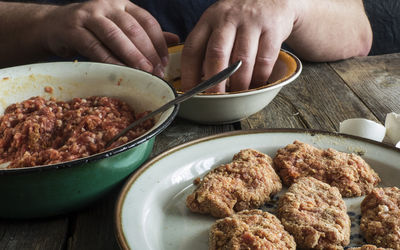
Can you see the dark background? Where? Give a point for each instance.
(384, 16)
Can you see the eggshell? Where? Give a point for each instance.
(364, 128)
(392, 124)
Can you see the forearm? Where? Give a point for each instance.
(330, 30)
(21, 38)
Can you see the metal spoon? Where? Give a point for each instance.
(199, 88)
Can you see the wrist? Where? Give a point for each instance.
(299, 9)
(21, 33)
(42, 27)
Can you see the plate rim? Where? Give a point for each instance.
(119, 233)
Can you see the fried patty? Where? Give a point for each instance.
(380, 217)
(348, 172)
(315, 214)
(249, 229)
(368, 247)
(245, 183)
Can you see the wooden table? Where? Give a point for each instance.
(324, 95)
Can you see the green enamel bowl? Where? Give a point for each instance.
(61, 188)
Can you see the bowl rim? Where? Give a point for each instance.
(278, 84)
(105, 154)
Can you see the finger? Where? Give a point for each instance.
(153, 30)
(267, 54)
(140, 38)
(171, 38)
(87, 45)
(116, 41)
(218, 53)
(192, 56)
(245, 49)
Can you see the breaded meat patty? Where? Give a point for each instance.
(348, 172)
(368, 247)
(245, 183)
(315, 214)
(249, 229)
(380, 217)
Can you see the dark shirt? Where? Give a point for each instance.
(176, 16)
(180, 16)
(384, 16)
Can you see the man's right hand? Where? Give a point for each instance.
(117, 32)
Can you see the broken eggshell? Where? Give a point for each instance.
(363, 128)
(392, 124)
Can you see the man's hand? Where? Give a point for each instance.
(117, 32)
(110, 31)
(231, 30)
(254, 30)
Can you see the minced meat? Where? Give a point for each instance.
(41, 132)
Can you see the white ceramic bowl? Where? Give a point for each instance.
(220, 108)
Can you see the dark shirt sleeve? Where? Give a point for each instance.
(180, 16)
(384, 16)
(176, 16)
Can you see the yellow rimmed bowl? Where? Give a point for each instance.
(60, 188)
(222, 108)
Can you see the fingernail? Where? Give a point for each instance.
(164, 61)
(159, 70)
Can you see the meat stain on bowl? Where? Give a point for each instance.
(48, 89)
(119, 81)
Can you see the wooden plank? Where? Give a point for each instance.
(182, 131)
(280, 113)
(93, 227)
(318, 99)
(49, 233)
(375, 80)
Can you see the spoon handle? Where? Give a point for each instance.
(227, 72)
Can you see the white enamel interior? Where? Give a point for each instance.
(154, 214)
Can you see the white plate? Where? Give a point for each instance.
(151, 211)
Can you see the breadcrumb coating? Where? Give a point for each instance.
(245, 183)
(368, 247)
(348, 172)
(250, 229)
(315, 214)
(380, 217)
